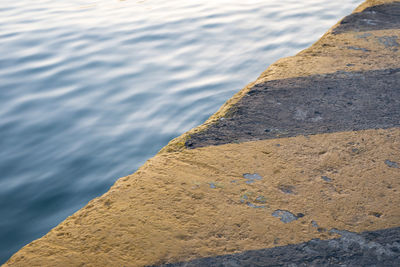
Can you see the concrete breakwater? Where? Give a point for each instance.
(305, 161)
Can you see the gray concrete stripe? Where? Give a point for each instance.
(375, 248)
(379, 17)
(342, 101)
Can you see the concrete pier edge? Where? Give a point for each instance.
(299, 168)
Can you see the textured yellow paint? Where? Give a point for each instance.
(331, 54)
(167, 211)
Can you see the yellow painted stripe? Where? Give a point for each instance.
(194, 203)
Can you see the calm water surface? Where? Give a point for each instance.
(89, 90)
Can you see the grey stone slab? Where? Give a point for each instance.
(342, 101)
(380, 17)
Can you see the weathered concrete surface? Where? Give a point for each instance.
(342, 101)
(380, 248)
(377, 17)
(168, 212)
(308, 170)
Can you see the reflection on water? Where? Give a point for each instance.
(91, 89)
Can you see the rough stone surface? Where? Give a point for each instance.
(378, 17)
(375, 248)
(341, 101)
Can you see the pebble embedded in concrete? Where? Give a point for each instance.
(314, 224)
(392, 164)
(326, 178)
(287, 189)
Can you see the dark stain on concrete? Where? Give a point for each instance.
(364, 35)
(378, 17)
(342, 101)
(389, 42)
(375, 248)
(255, 206)
(358, 48)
